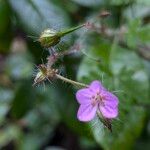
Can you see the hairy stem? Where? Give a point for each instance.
(67, 31)
(70, 81)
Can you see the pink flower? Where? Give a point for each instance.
(96, 98)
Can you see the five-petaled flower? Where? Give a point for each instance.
(96, 98)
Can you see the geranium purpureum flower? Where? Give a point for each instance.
(95, 99)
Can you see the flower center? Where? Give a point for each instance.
(97, 99)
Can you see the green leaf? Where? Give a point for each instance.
(133, 12)
(129, 73)
(89, 3)
(23, 100)
(41, 120)
(69, 8)
(96, 60)
(29, 141)
(20, 68)
(39, 15)
(144, 2)
(137, 33)
(6, 96)
(5, 18)
(120, 2)
(9, 133)
(5, 29)
(4, 108)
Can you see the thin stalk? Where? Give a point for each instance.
(62, 33)
(71, 81)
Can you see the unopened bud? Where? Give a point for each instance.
(50, 37)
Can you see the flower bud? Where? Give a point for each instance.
(50, 37)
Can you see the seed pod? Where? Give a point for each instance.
(50, 37)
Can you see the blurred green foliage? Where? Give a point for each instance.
(44, 117)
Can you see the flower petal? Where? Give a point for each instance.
(86, 112)
(108, 112)
(96, 86)
(83, 96)
(110, 99)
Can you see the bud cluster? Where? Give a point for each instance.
(49, 38)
